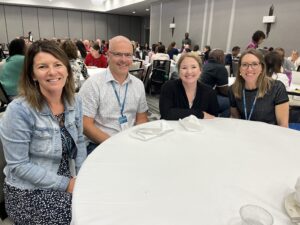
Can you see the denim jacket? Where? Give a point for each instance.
(32, 144)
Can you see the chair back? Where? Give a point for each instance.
(160, 74)
(235, 68)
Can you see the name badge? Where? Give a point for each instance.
(123, 122)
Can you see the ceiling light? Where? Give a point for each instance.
(147, 9)
(133, 12)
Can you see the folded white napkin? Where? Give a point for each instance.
(147, 133)
(191, 123)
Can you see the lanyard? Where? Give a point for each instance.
(245, 107)
(118, 98)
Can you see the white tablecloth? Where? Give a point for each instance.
(184, 178)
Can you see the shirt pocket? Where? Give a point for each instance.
(41, 140)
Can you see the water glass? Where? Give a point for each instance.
(255, 215)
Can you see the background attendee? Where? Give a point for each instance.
(295, 59)
(81, 50)
(87, 45)
(42, 138)
(254, 96)
(186, 40)
(172, 50)
(273, 62)
(78, 67)
(95, 58)
(12, 68)
(257, 38)
(113, 100)
(233, 56)
(187, 96)
(206, 52)
(161, 54)
(215, 75)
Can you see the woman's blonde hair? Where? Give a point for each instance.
(29, 88)
(190, 55)
(263, 82)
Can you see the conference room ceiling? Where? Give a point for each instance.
(123, 7)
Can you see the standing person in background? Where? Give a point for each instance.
(42, 138)
(12, 68)
(96, 58)
(257, 38)
(254, 96)
(206, 51)
(186, 40)
(30, 37)
(187, 96)
(113, 100)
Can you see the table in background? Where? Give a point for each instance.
(188, 178)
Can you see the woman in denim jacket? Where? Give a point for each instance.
(42, 138)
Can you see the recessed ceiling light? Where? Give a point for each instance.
(50, 0)
(147, 9)
(133, 12)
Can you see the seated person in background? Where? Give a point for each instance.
(87, 45)
(12, 68)
(78, 67)
(196, 50)
(113, 100)
(255, 96)
(215, 75)
(206, 52)
(273, 62)
(42, 138)
(161, 54)
(95, 58)
(172, 50)
(295, 59)
(81, 51)
(233, 56)
(257, 38)
(187, 96)
(287, 65)
(153, 51)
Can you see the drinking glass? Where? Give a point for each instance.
(255, 215)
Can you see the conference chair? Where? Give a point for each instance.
(160, 74)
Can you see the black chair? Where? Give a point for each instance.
(298, 69)
(4, 100)
(160, 74)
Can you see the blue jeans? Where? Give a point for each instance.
(224, 106)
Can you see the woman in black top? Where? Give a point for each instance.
(187, 96)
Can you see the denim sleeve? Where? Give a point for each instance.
(16, 129)
(81, 146)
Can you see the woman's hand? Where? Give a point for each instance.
(207, 116)
(71, 185)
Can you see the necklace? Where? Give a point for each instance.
(60, 118)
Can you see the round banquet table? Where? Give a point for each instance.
(188, 178)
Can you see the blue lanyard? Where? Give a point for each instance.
(118, 98)
(245, 107)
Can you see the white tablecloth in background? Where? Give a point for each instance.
(185, 178)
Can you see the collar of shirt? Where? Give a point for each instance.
(109, 77)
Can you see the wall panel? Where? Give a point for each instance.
(3, 31)
(61, 26)
(135, 28)
(30, 22)
(88, 26)
(46, 25)
(125, 26)
(13, 21)
(75, 24)
(112, 26)
(101, 26)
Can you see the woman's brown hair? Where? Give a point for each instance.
(30, 89)
(263, 82)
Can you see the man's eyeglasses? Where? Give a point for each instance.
(120, 54)
(253, 65)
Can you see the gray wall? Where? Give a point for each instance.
(17, 21)
(225, 23)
